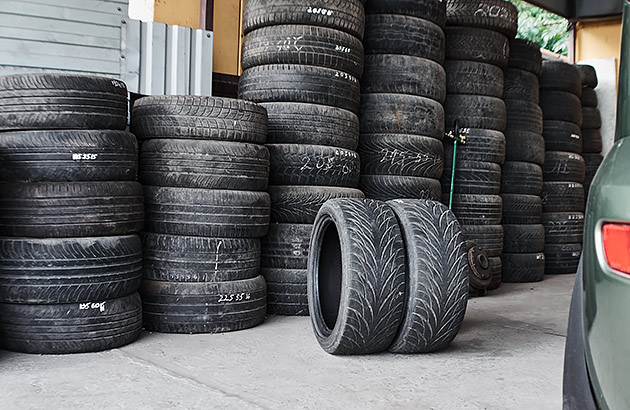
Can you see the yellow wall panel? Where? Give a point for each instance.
(598, 39)
(227, 27)
(178, 12)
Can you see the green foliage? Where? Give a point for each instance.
(548, 30)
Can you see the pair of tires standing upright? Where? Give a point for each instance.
(70, 211)
(204, 171)
(302, 61)
(523, 259)
(591, 124)
(564, 169)
(402, 91)
(477, 51)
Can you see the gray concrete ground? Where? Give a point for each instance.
(508, 355)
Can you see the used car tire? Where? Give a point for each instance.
(521, 178)
(300, 203)
(564, 166)
(388, 187)
(525, 55)
(523, 238)
(488, 237)
(473, 78)
(473, 177)
(472, 209)
(286, 246)
(521, 209)
(524, 146)
(563, 227)
(424, 9)
(495, 15)
(286, 291)
(481, 145)
(560, 76)
(520, 85)
(477, 44)
(562, 197)
(522, 267)
(562, 258)
(563, 136)
(475, 111)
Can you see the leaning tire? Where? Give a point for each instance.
(356, 245)
(437, 280)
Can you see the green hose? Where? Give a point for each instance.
(450, 199)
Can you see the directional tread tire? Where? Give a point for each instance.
(388, 187)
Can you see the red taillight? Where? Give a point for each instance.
(616, 239)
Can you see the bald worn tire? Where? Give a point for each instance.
(356, 244)
(437, 278)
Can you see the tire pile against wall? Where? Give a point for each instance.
(386, 276)
(70, 211)
(477, 51)
(591, 124)
(523, 259)
(302, 61)
(564, 169)
(402, 91)
(204, 171)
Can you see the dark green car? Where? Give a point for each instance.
(597, 353)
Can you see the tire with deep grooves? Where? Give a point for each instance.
(488, 237)
(72, 327)
(179, 258)
(68, 155)
(286, 246)
(521, 209)
(286, 291)
(206, 212)
(194, 117)
(521, 178)
(437, 280)
(523, 238)
(71, 209)
(522, 267)
(387, 187)
(203, 307)
(356, 245)
(69, 270)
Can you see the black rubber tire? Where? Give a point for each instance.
(401, 114)
(524, 146)
(473, 78)
(589, 97)
(560, 76)
(72, 327)
(524, 116)
(488, 237)
(473, 177)
(563, 166)
(403, 34)
(520, 85)
(521, 209)
(300, 204)
(476, 44)
(474, 111)
(412, 75)
(525, 55)
(563, 227)
(437, 276)
(206, 212)
(401, 154)
(300, 83)
(588, 75)
(481, 145)
(522, 267)
(434, 11)
(203, 307)
(562, 197)
(297, 164)
(498, 15)
(62, 101)
(347, 16)
(523, 238)
(193, 117)
(286, 291)
(562, 259)
(591, 142)
(286, 246)
(592, 163)
(356, 244)
(473, 209)
(591, 118)
(204, 164)
(388, 187)
(68, 155)
(71, 209)
(178, 258)
(303, 123)
(495, 267)
(69, 270)
(303, 44)
(560, 105)
(562, 136)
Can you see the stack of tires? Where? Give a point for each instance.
(402, 91)
(70, 211)
(523, 259)
(302, 61)
(477, 51)
(591, 124)
(564, 169)
(204, 171)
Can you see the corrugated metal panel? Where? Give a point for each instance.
(78, 36)
(163, 59)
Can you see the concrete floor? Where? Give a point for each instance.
(508, 355)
